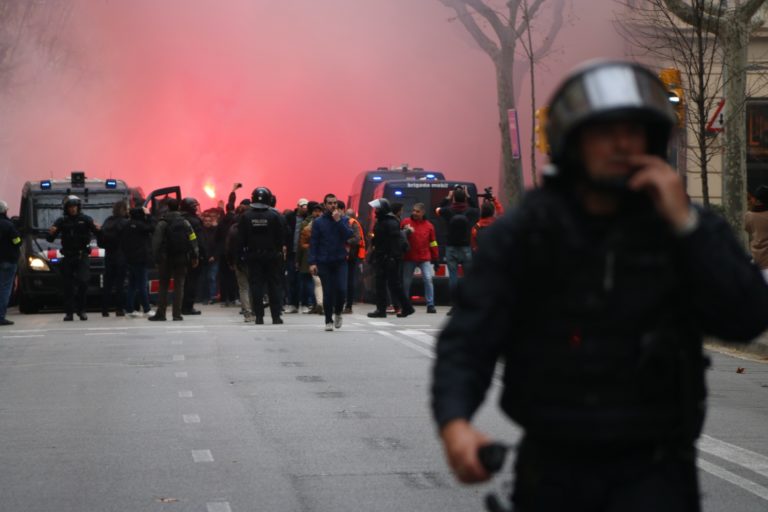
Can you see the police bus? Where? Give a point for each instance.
(431, 193)
(38, 280)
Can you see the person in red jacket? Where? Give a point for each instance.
(422, 252)
(490, 210)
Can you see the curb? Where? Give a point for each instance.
(758, 347)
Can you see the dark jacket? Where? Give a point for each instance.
(197, 227)
(599, 321)
(10, 240)
(459, 219)
(111, 239)
(138, 238)
(160, 251)
(327, 244)
(75, 232)
(387, 240)
(261, 232)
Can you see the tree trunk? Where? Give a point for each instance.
(735, 39)
(511, 179)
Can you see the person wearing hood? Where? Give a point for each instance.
(388, 246)
(10, 245)
(138, 255)
(75, 229)
(459, 218)
(261, 230)
(112, 240)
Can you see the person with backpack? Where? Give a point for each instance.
(137, 246)
(189, 209)
(422, 254)
(459, 217)
(115, 269)
(174, 248)
(389, 246)
(490, 210)
(10, 245)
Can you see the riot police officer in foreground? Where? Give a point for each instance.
(262, 233)
(596, 292)
(75, 229)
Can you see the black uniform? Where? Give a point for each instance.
(10, 243)
(194, 273)
(599, 322)
(262, 232)
(74, 266)
(388, 250)
(113, 241)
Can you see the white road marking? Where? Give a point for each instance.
(25, 336)
(106, 333)
(218, 506)
(381, 324)
(747, 485)
(408, 344)
(186, 394)
(736, 454)
(202, 456)
(421, 336)
(181, 375)
(191, 418)
(187, 332)
(178, 358)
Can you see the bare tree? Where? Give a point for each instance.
(694, 50)
(733, 26)
(497, 27)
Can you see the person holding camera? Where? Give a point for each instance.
(490, 210)
(459, 218)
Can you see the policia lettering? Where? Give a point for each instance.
(75, 230)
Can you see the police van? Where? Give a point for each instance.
(365, 184)
(408, 193)
(38, 280)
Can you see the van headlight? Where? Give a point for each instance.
(38, 264)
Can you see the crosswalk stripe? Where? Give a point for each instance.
(735, 454)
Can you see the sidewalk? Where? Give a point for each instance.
(758, 347)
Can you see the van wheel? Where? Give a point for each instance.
(27, 305)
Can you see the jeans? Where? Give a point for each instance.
(212, 278)
(455, 255)
(307, 289)
(333, 275)
(137, 284)
(7, 273)
(353, 276)
(426, 274)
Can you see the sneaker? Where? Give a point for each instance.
(136, 314)
(151, 312)
(406, 312)
(277, 321)
(347, 310)
(68, 317)
(83, 315)
(329, 326)
(248, 318)
(391, 310)
(431, 309)
(337, 321)
(156, 318)
(290, 309)
(306, 310)
(5, 321)
(377, 314)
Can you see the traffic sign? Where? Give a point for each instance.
(717, 122)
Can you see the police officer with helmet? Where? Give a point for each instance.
(189, 208)
(596, 292)
(262, 234)
(75, 229)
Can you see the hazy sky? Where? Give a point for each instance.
(297, 95)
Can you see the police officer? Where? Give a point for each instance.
(189, 207)
(262, 235)
(10, 243)
(597, 292)
(75, 229)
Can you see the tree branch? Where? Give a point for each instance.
(688, 15)
(466, 19)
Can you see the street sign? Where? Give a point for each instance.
(716, 123)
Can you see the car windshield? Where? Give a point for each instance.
(46, 209)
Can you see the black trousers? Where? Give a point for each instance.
(389, 276)
(266, 270)
(353, 274)
(227, 282)
(75, 272)
(605, 479)
(114, 280)
(191, 285)
(177, 270)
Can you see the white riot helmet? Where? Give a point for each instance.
(605, 91)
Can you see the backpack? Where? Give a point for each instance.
(179, 236)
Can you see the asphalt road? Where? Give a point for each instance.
(211, 414)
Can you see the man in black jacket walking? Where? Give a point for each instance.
(10, 243)
(596, 292)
